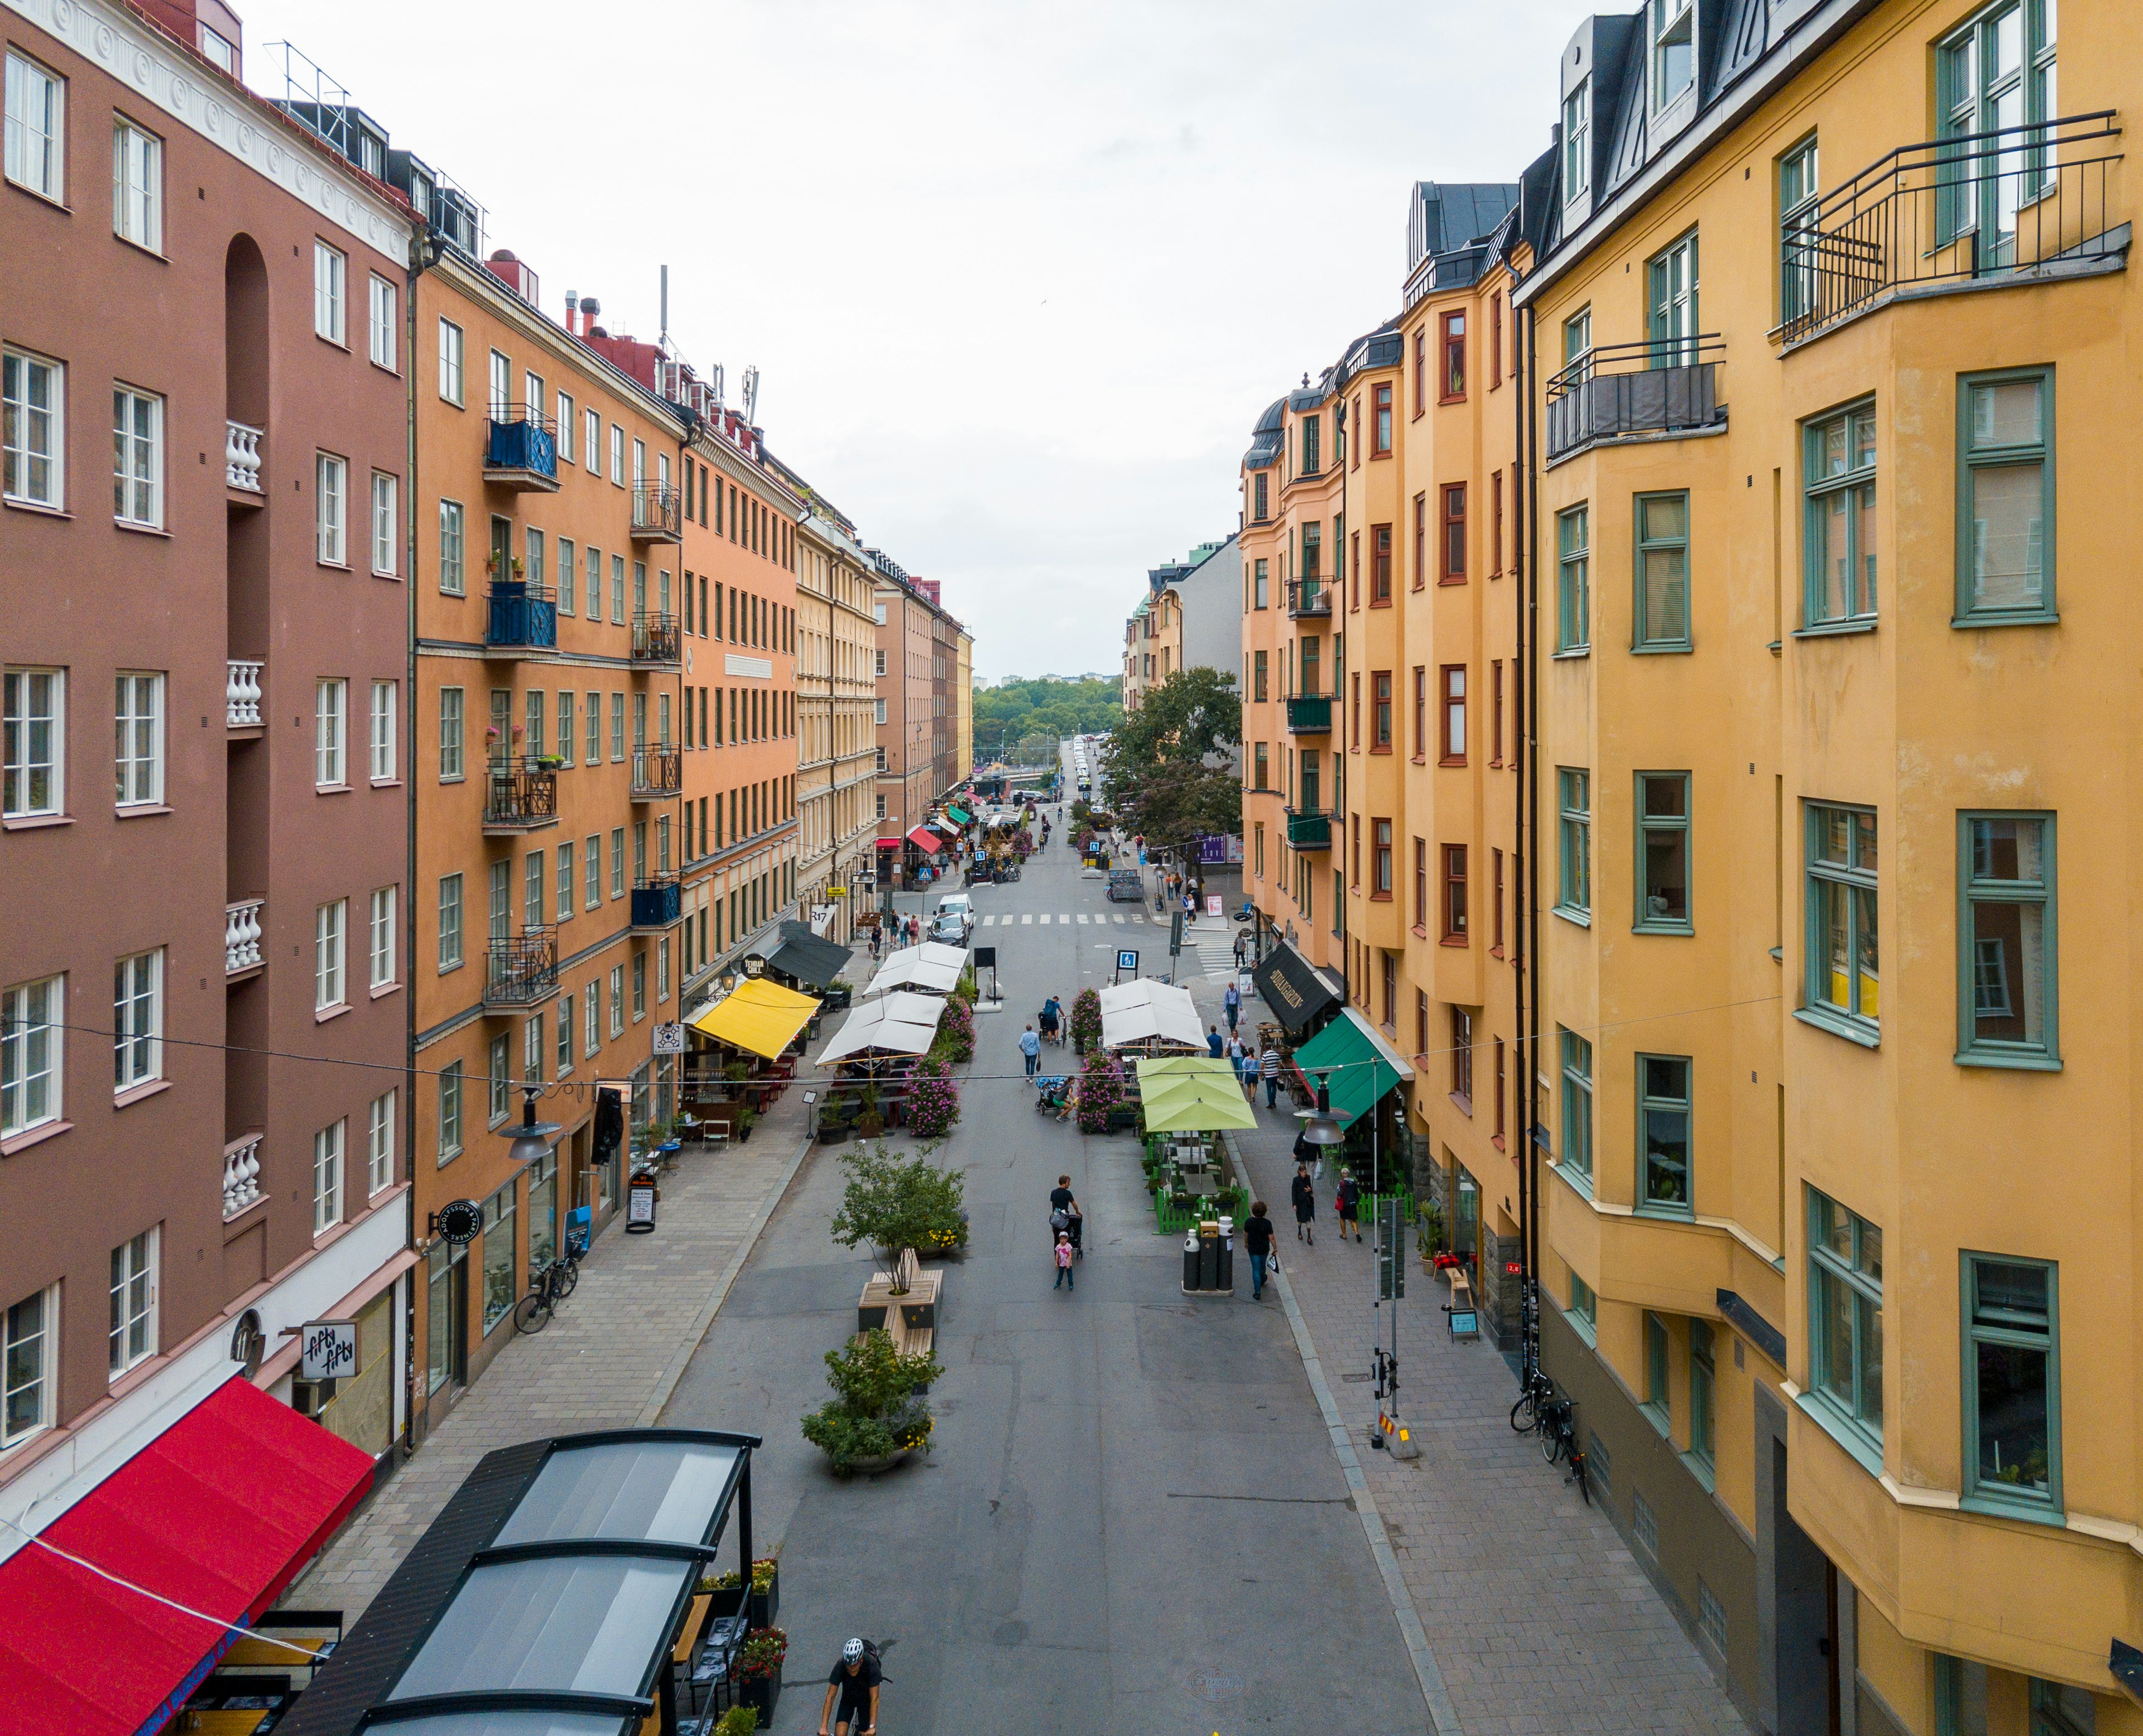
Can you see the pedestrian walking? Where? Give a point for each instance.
(1258, 1241)
(1066, 1279)
(1269, 1066)
(1189, 909)
(1030, 1046)
(1304, 1193)
(1216, 1045)
(1231, 1003)
(1349, 1203)
(1246, 1069)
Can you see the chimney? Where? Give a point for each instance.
(590, 307)
(572, 313)
(515, 275)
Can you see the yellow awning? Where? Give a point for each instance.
(758, 1014)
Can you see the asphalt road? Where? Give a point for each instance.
(1130, 1521)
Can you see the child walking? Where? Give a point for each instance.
(1065, 1278)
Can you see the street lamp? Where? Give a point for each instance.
(532, 1138)
(1320, 1126)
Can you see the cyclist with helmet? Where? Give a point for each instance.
(855, 1680)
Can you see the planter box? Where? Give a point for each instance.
(765, 1606)
(762, 1694)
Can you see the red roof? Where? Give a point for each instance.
(218, 1513)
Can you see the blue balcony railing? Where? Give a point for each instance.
(523, 617)
(658, 904)
(523, 449)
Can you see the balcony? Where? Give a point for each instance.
(658, 905)
(657, 643)
(1309, 713)
(657, 512)
(241, 695)
(1656, 388)
(657, 772)
(1310, 597)
(522, 451)
(521, 971)
(241, 458)
(241, 939)
(2018, 204)
(1309, 831)
(241, 1176)
(523, 621)
(518, 796)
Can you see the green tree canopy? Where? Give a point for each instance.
(1003, 715)
(1170, 764)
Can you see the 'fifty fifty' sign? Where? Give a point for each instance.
(329, 1350)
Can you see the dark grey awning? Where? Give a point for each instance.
(1293, 990)
(805, 956)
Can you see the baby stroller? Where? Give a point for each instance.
(1051, 1093)
(1066, 1219)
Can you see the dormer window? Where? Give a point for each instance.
(1577, 140)
(1674, 49)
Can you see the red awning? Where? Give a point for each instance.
(924, 838)
(218, 1513)
(888, 844)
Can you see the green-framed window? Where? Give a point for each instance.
(1577, 336)
(1703, 1395)
(1798, 198)
(2008, 1009)
(1584, 1301)
(2061, 1709)
(1671, 321)
(1662, 877)
(2005, 496)
(1664, 1172)
(1837, 486)
(1997, 72)
(1845, 1316)
(1660, 618)
(1573, 581)
(1573, 793)
(1843, 979)
(1576, 1103)
(1658, 1400)
(2011, 1383)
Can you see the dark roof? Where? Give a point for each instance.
(1266, 438)
(1449, 215)
(807, 957)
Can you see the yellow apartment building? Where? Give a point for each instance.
(837, 733)
(1841, 1203)
(963, 704)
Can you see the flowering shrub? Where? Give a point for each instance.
(1101, 1089)
(1086, 1020)
(879, 1411)
(934, 1100)
(761, 1654)
(955, 1040)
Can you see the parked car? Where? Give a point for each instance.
(952, 920)
(1126, 886)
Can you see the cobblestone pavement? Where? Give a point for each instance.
(608, 1358)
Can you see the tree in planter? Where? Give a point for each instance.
(1086, 1020)
(876, 1411)
(897, 1204)
(1101, 1089)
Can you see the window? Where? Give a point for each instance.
(329, 268)
(1644, 1522)
(565, 879)
(617, 862)
(1577, 140)
(380, 324)
(452, 573)
(1420, 541)
(327, 1176)
(1420, 370)
(1703, 1389)
(617, 455)
(617, 589)
(1420, 713)
(1674, 49)
(1659, 1401)
(1452, 379)
(1838, 481)
(1711, 1616)
(2059, 1708)
(1380, 438)
(1311, 427)
(330, 706)
(1380, 859)
(1843, 978)
(1577, 336)
(450, 1112)
(36, 128)
(2013, 1396)
(1574, 842)
(1663, 853)
(1453, 716)
(1454, 894)
(591, 872)
(452, 344)
(2006, 1007)
(1380, 727)
(1420, 892)
(137, 457)
(1576, 1103)
(1495, 903)
(379, 1143)
(331, 509)
(617, 998)
(531, 890)
(564, 1035)
(592, 1019)
(137, 747)
(498, 1071)
(137, 1021)
(451, 704)
(1261, 769)
(32, 1042)
(1997, 72)
(328, 930)
(1454, 497)
(567, 428)
(1798, 236)
(32, 426)
(531, 1046)
(881, 711)
(640, 984)
(382, 732)
(1671, 318)
(1845, 1317)
(450, 921)
(1662, 601)
(1462, 1057)
(1584, 1301)
(498, 1236)
(133, 1336)
(384, 902)
(2005, 530)
(1262, 497)
(28, 1341)
(1380, 564)
(384, 527)
(1663, 1129)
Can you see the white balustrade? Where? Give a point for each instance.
(241, 936)
(241, 695)
(242, 1177)
(241, 456)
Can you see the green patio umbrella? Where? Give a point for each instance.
(1191, 1094)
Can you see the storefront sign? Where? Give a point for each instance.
(328, 1350)
(669, 1040)
(457, 1222)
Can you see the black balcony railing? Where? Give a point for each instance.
(658, 904)
(1310, 595)
(2027, 201)
(519, 793)
(1663, 386)
(522, 970)
(657, 512)
(523, 618)
(656, 638)
(1309, 831)
(657, 772)
(522, 448)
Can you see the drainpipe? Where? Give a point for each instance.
(1526, 837)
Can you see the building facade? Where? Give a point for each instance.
(837, 730)
(907, 724)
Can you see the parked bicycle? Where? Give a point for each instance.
(546, 1289)
(1579, 1474)
(1558, 1434)
(1538, 1392)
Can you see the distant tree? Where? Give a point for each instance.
(1054, 709)
(1170, 764)
(1036, 749)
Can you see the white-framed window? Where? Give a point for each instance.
(137, 1020)
(567, 429)
(329, 271)
(452, 702)
(617, 726)
(1674, 49)
(379, 1143)
(500, 1076)
(137, 185)
(565, 879)
(137, 744)
(639, 985)
(595, 729)
(532, 396)
(330, 712)
(617, 588)
(881, 668)
(1577, 140)
(450, 921)
(133, 1336)
(328, 1145)
(330, 923)
(331, 509)
(33, 1046)
(617, 1000)
(137, 457)
(383, 711)
(32, 428)
(532, 1044)
(453, 346)
(569, 575)
(35, 781)
(617, 862)
(454, 579)
(381, 323)
(450, 1112)
(591, 441)
(617, 455)
(661, 971)
(384, 905)
(592, 1018)
(501, 386)
(881, 711)
(638, 463)
(36, 128)
(591, 872)
(385, 531)
(29, 1365)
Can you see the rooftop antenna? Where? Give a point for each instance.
(751, 395)
(663, 341)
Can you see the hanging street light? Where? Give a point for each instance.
(532, 1138)
(1321, 1126)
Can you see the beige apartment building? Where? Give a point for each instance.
(837, 730)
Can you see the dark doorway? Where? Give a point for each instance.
(1807, 1605)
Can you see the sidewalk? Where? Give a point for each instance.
(609, 1359)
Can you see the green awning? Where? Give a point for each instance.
(1361, 1067)
(959, 817)
(1191, 1094)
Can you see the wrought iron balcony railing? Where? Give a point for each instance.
(1662, 386)
(656, 640)
(657, 512)
(520, 970)
(519, 796)
(657, 772)
(1311, 595)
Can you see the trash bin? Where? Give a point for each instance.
(1191, 1261)
(1226, 1267)
(1208, 1256)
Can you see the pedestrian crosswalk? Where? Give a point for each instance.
(1029, 919)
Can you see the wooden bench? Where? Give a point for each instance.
(911, 1317)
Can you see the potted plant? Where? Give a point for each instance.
(758, 1670)
(726, 1591)
(878, 1415)
(871, 1123)
(737, 1721)
(745, 1115)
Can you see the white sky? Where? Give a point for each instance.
(1018, 278)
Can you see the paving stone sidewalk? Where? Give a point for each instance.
(608, 1358)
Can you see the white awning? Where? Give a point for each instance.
(1134, 1013)
(931, 967)
(895, 1024)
